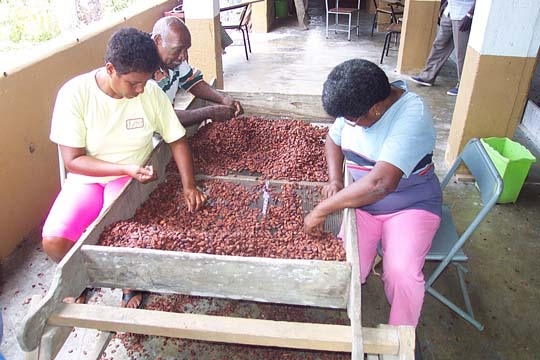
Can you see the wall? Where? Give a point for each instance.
(262, 16)
(28, 160)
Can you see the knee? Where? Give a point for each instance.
(56, 247)
(401, 272)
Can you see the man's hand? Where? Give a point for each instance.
(466, 24)
(331, 188)
(313, 223)
(230, 101)
(222, 112)
(142, 174)
(194, 199)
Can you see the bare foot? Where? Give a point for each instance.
(131, 299)
(81, 299)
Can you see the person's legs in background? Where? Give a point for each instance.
(406, 239)
(461, 39)
(443, 45)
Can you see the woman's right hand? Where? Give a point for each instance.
(143, 174)
(332, 188)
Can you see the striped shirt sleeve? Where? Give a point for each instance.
(189, 76)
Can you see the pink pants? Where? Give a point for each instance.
(406, 237)
(78, 205)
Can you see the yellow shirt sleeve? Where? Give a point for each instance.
(67, 126)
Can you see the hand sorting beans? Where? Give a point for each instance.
(276, 149)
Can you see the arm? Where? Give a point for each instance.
(196, 116)
(182, 156)
(467, 20)
(77, 162)
(381, 181)
(334, 158)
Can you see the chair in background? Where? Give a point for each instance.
(393, 30)
(243, 26)
(392, 11)
(350, 12)
(447, 246)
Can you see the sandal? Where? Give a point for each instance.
(127, 297)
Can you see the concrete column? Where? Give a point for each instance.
(417, 34)
(497, 73)
(262, 16)
(202, 19)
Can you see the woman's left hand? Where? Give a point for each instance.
(195, 199)
(313, 223)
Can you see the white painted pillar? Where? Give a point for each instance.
(202, 19)
(497, 73)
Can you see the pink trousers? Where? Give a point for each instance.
(78, 205)
(406, 237)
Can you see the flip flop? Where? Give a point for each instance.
(126, 297)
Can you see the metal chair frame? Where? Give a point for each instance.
(392, 12)
(243, 26)
(448, 243)
(337, 11)
(393, 29)
(447, 246)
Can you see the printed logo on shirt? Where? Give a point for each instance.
(134, 123)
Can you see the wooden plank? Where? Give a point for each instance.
(324, 337)
(406, 343)
(354, 306)
(34, 305)
(292, 106)
(288, 281)
(242, 178)
(52, 341)
(70, 279)
(101, 344)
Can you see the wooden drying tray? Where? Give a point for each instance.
(327, 284)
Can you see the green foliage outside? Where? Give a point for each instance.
(27, 22)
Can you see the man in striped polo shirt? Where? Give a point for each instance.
(173, 40)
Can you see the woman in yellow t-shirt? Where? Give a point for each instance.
(103, 122)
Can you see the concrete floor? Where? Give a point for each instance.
(503, 280)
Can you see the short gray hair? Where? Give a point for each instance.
(165, 24)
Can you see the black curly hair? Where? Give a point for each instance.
(131, 50)
(353, 87)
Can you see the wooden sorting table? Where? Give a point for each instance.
(326, 284)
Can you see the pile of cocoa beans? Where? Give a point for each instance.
(273, 149)
(229, 224)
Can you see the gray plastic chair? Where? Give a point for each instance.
(448, 244)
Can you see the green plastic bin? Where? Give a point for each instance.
(512, 161)
(282, 9)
